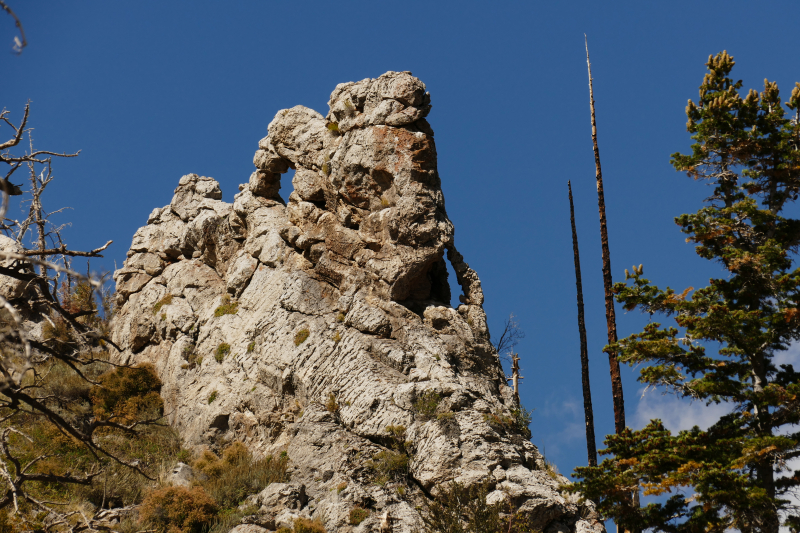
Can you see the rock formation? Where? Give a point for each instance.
(314, 325)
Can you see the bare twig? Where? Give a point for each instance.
(510, 337)
(18, 44)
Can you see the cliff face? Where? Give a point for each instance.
(315, 325)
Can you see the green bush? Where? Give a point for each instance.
(228, 307)
(192, 360)
(251, 347)
(166, 300)
(177, 510)
(331, 405)
(301, 336)
(426, 404)
(358, 515)
(238, 474)
(518, 420)
(212, 397)
(222, 350)
(457, 509)
(397, 436)
(388, 465)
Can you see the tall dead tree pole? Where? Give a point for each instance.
(611, 319)
(591, 449)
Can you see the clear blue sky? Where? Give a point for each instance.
(149, 91)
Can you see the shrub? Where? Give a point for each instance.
(228, 307)
(341, 487)
(129, 393)
(518, 420)
(227, 519)
(388, 466)
(358, 515)
(333, 126)
(301, 336)
(237, 474)
(460, 509)
(58, 335)
(551, 469)
(304, 525)
(192, 360)
(426, 404)
(397, 435)
(340, 317)
(166, 300)
(222, 350)
(522, 419)
(184, 456)
(212, 397)
(208, 463)
(251, 347)
(385, 202)
(67, 385)
(336, 337)
(5, 525)
(236, 454)
(177, 510)
(331, 404)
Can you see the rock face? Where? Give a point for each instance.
(314, 325)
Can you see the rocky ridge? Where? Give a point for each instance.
(311, 326)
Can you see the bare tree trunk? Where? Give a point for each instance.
(591, 449)
(611, 320)
(515, 377)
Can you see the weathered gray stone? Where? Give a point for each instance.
(248, 528)
(182, 475)
(10, 288)
(343, 322)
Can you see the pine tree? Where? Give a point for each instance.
(735, 473)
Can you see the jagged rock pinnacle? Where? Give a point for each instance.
(335, 307)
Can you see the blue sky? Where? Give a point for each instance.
(151, 91)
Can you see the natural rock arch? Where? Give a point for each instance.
(341, 290)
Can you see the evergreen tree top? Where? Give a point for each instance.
(748, 149)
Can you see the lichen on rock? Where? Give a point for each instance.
(355, 259)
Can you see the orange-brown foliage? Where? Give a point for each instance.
(177, 510)
(128, 393)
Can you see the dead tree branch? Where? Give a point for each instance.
(19, 42)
